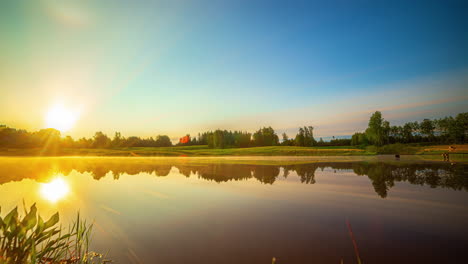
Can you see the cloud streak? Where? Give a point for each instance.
(429, 97)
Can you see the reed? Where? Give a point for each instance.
(30, 239)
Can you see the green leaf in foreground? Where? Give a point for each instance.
(29, 239)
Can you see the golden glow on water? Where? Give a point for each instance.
(55, 190)
(170, 200)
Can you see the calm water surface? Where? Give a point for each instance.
(189, 210)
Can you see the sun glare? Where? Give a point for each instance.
(55, 190)
(61, 118)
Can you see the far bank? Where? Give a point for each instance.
(401, 149)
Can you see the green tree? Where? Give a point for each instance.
(286, 141)
(386, 131)
(218, 139)
(265, 137)
(68, 142)
(407, 133)
(354, 139)
(377, 129)
(309, 139)
(459, 128)
(48, 138)
(300, 138)
(101, 140)
(427, 128)
(396, 134)
(117, 140)
(163, 141)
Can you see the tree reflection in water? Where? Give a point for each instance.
(383, 175)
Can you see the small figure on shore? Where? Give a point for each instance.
(397, 156)
(446, 156)
(452, 148)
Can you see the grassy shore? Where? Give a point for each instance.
(404, 149)
(192, 151)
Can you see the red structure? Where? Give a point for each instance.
(184, 140)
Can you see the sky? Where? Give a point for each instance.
(175, 67)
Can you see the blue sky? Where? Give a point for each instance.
(176, 67)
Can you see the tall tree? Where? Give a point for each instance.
(163, 141)
(117, 140)
(377, 129)
(427, 128)
(265, 137)
(309, 139)
(101, 140)
(300, 138)
(407, 133)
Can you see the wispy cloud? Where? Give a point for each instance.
(429, 97)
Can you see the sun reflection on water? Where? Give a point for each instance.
(55, 190)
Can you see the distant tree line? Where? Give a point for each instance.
(227, 139)
(304, 138)
(444, 130)
(50, 138)
(379, 132)
(265, 136)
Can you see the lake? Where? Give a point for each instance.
(251, 209)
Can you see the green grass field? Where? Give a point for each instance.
(404, 149)
(194, 151)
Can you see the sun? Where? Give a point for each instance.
(61, 118)
(55, 190)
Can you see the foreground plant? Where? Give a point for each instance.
(30, 239)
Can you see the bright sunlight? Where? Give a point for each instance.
(61, 118)
(55, 190)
